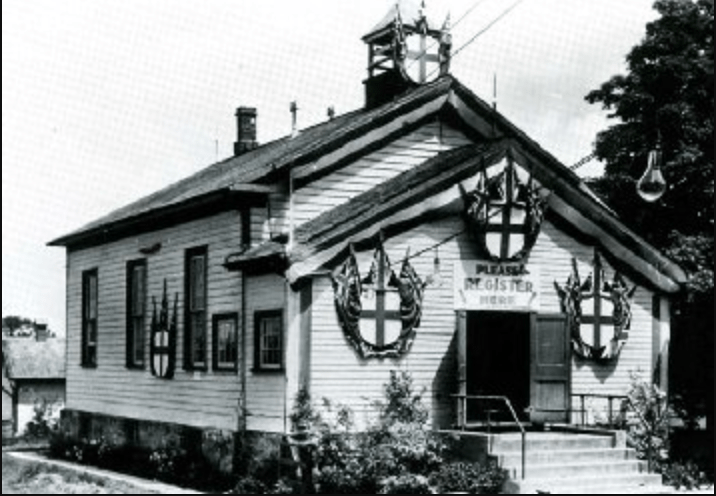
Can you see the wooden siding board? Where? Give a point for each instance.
(369, 171)
(432, 360)
(114, 390)
(265, 391)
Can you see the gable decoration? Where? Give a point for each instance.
(164, 338)
(594, 306)
(505, 213)
(351, 292)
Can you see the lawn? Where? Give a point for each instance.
(22, 477)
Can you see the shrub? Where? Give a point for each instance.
(43, 421)
(403, 404)
(648, 429)
(491, 479)
(249, 485)
(406, 484)
(686, 476)
(455, 477)
(398, 448)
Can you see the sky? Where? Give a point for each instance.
(105, 101)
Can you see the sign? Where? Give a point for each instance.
(496, 287)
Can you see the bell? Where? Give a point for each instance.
(652, 186)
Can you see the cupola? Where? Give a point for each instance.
(406, 49)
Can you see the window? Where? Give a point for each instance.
(90, 303)
(196, 310)
(136, 312)
(226, 342)
(269, 340)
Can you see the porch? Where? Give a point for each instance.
(587, 455)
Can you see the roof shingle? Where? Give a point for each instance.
(29, 359)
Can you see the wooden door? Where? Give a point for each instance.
(551, 369)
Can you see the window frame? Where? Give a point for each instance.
(218, 364)
(90, 317)
(133, 361)
(190, 364)
(259, 364)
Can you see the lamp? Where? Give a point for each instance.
(652, 185)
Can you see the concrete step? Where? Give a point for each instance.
(586, 470)
(545, 457)
(510, 443)
(612, 484)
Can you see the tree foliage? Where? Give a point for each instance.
(667, 97)
(12, 324)
(667, 93)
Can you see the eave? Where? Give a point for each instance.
(199, 207)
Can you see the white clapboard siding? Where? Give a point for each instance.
(265, 391)
(364, 174)
(202, 399)
(338, 374)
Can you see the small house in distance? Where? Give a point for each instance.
(423, 232)
(33, 375)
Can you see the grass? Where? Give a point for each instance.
(22, 477)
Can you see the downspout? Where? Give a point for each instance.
(243, 408)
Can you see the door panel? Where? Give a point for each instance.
(551, 369)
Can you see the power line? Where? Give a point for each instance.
(488, 27)
(457, 23)
(584, 161)
(499, 18)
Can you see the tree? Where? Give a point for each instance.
(667, 98)
(12, 324)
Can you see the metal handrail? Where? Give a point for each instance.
(462, 406)
(609, 397)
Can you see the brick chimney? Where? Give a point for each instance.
(246, 123)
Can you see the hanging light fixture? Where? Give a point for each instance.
(652, 186)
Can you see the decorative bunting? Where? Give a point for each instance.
(163, 338)
(600, 293)
(505, 214)
(349, 289)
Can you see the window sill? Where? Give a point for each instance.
(88, 366)
(192, 370)
(259, 371)
(226, 370)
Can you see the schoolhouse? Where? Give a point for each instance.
(422, 232)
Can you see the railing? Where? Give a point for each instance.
(583, 411)
(462, 401)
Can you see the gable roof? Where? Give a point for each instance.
(264, 164)
(28, 359)
(324, 148)
(430, 191)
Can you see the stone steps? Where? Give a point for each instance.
(623, 484)
(572, 463)
(567, 456)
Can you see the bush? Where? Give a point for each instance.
(43, 421)
(648, 428)
(406, 484)
(455, 477)
(686, 476)
(491, 479)
(398, 448)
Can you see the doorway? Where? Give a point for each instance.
(498, 364)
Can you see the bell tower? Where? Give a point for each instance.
(405, 49)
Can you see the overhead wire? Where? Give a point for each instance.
(457, 23)
(499, 18)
